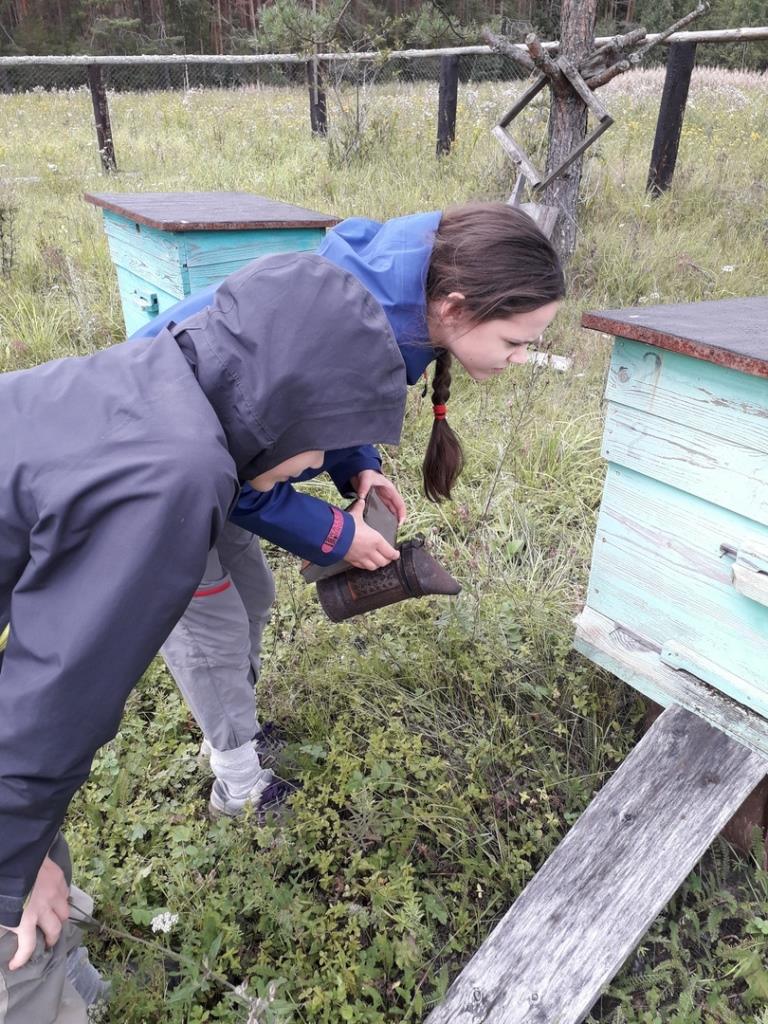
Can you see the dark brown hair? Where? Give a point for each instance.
(496, 257)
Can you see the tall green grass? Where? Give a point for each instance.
(444, 748)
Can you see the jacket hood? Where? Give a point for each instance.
(295, 354)
(392, 261)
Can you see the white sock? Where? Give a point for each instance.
(239, 770)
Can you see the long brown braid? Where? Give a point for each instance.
(444, 457)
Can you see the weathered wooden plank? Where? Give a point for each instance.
(136, 296)
(729, 332)
(721, 401)
(155, 244)
(576, 922)
(196, 211)
(517, 155)
(720, 471)
(168, 276)
(637, 661)
(662, 566)
(544, 216)
(225, 248)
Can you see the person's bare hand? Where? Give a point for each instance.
(388, 493)
(368, 550)
(47, 909)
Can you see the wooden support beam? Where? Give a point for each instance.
(318, 109)
(578, 920)
(446, 104)
(638, 662)
(680, 61)
(101, 117)
(517, 155)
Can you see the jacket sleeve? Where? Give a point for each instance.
(299, 523)
(342, 465)
(185, 308)
(108, 575)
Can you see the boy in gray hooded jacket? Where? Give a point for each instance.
(118, 473)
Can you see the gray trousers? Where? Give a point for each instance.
(39, 992)
(214, 651)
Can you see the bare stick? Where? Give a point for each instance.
(515, 52)
(702, 8)
(604, 76)
(542, 60)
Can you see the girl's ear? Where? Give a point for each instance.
(451, 308)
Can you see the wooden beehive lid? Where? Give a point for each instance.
(730, 332)
(208, 211)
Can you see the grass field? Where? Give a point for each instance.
(444, 748)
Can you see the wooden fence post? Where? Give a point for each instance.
(446, 104)
(680, 61)
(318, 111)
(101, 116)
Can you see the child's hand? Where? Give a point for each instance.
(368, 550)
(388, 493)
(47, 909)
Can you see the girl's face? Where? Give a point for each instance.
(488, 348)
(287, 470)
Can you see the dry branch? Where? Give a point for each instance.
(514, 52)
(544, 62)
(638, 55)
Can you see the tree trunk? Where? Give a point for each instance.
(568, 123)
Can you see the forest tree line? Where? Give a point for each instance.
(265, 26)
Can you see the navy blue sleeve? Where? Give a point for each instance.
(300, 523)
(183, 309)
(342, 465)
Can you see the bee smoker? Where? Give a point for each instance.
(356, 591)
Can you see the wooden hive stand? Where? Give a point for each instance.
(677, 607)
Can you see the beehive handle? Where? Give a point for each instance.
(749, 572)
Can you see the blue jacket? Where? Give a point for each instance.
(391, 260)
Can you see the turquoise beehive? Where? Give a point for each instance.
(167, 245)
(677, 603)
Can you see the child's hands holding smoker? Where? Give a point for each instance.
(369, 550)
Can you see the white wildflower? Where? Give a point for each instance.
(728, 269)
(164, 922)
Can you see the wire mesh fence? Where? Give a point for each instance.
(346, 91)
(178, 74)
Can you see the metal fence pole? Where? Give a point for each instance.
(101, 116)
(446, 104)
(680, 61)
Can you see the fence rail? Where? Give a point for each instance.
(731, 35)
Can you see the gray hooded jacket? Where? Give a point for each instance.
(117, 472)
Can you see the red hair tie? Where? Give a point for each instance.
(439, 411)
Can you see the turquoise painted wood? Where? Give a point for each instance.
(161, 262)
(141, 300)
(678, 586)
(663, 567)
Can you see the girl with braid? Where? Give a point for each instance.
(476, 284)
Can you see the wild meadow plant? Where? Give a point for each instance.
(443, 748)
